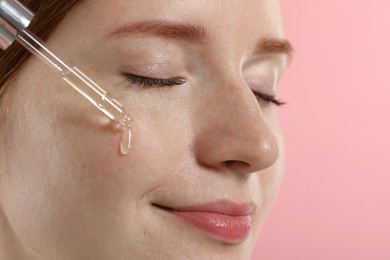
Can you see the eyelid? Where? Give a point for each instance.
(269, 98)
(149, 82)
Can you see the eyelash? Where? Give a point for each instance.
(148, 82)
(269, 99)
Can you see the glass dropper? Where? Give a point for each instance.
(14, 19)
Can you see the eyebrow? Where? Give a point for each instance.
(277, 46)
(187, 32)
(197, 34)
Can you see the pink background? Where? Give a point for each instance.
(335, 199)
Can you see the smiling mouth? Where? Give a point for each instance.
(224, 221)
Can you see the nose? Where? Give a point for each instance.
(232, 133)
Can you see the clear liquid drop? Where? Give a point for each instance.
(125, 140)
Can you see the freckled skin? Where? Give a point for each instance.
(66, 192)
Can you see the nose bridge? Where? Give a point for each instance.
(232, 130)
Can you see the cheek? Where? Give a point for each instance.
(69, 169)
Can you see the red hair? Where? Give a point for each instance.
(48, 14)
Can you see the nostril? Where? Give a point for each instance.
(236, 164)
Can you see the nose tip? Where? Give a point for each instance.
(238, 139)
(239, 154)
(266, 155)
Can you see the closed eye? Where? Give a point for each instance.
(269, 98)
(149, 82)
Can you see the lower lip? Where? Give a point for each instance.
(226, 228)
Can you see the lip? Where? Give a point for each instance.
(223, 220)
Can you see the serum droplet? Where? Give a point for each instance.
(125, 140)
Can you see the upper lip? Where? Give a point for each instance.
(224, 207)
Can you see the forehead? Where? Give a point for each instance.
(224, 18)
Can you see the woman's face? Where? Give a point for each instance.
(206, 156)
